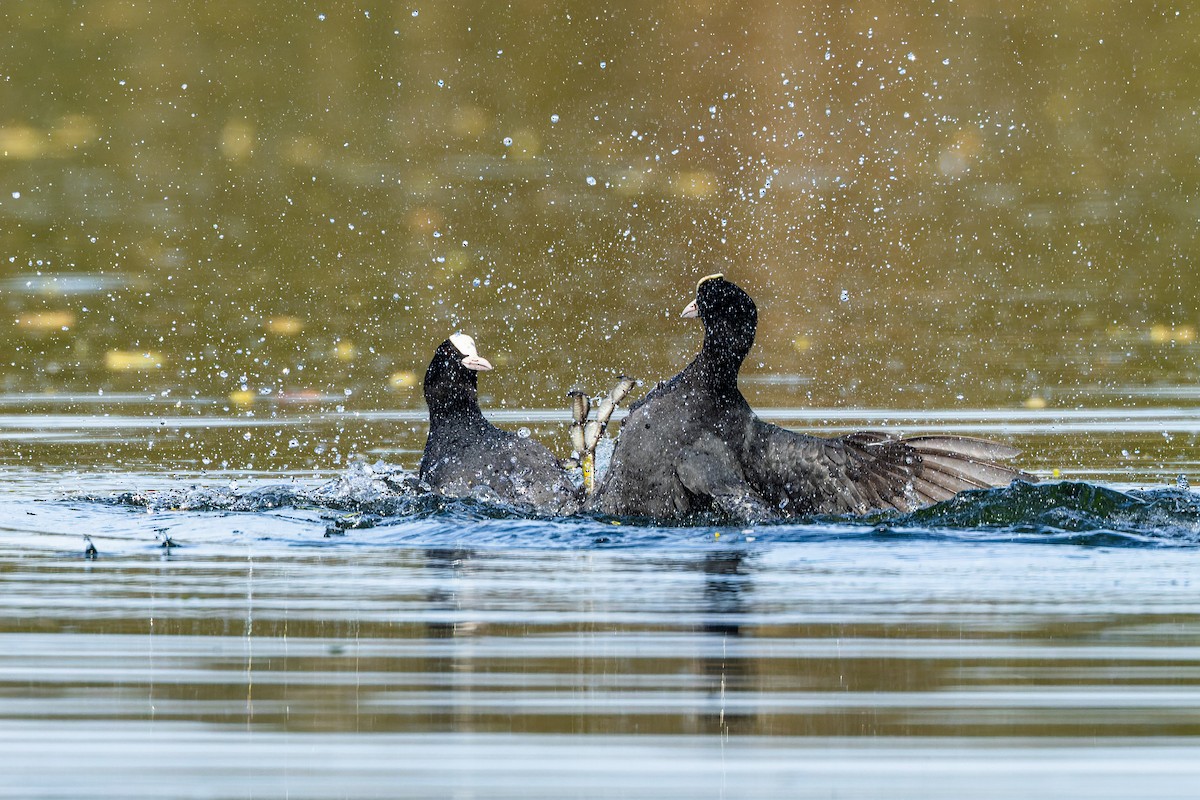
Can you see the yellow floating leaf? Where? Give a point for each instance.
(1160, 333)
(1183, 334)
(801, 344)
(1034, 402)
(21, 142)
(345, 351)
(404, 379)
(47, 320)
(242, 397)
(127, 360)
(285, 326)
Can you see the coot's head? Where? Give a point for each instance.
(729, 315)
(451, 382)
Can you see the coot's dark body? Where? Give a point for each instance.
(693, 446)
(465, 452)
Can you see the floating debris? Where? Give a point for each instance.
(284, 326)
(47, 320)
(404, 379)
(242, 397)
(130, 360)
(1180, 334)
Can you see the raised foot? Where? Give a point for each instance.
(586, 433)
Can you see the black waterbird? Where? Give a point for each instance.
(465, 454)
(693, 446)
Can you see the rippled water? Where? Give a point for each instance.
(291, 634)
(231, 234)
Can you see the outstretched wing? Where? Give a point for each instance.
(864, 472)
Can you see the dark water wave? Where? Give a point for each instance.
(391, 501)
(1068, 511)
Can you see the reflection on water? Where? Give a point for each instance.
(203, 437)
(835, 660)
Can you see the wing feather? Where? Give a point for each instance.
(868, 470)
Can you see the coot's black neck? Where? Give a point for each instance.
(453, 399)
(720, 358)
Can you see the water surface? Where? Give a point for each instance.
(231, 234)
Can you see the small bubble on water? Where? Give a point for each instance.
(591, 181)
(554, 119)
(16, 195)
(845, 296)
(508, 141)
(523, 432)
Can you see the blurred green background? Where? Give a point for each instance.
(936, 204)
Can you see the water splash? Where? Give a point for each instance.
(392, 501)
